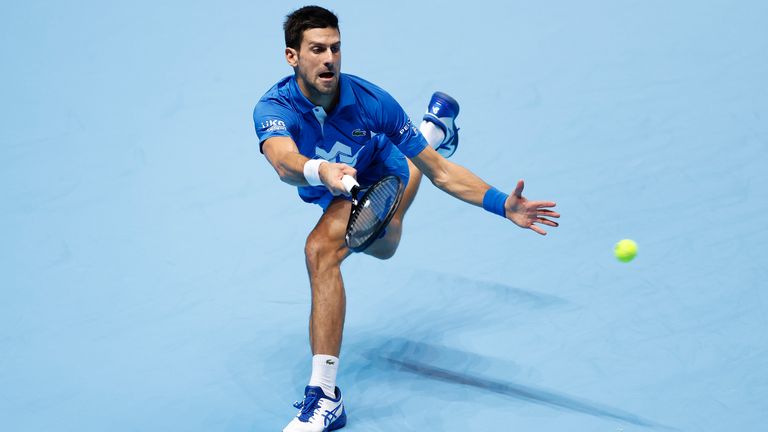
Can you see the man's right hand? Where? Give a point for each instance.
(331, 174)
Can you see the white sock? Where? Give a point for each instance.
(324, 368)
(433, 134)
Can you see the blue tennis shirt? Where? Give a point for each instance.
(363, 125)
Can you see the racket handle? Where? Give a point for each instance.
(350, 184)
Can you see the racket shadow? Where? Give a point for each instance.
(426, 360)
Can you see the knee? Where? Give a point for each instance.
(385, 247)
(383, 253)
(320, 252)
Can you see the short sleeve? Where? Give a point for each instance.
(398, 127)
(272, 119)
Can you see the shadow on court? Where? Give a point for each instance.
(424, 360)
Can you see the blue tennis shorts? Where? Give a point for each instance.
(387, 160)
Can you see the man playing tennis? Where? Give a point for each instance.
(318, 125)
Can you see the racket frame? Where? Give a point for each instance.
(357, 205)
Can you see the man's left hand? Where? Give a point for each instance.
(526, 214)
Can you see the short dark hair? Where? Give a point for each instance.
(308, 17)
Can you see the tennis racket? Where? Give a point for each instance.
(372, 211)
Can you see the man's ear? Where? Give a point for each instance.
(291, 56)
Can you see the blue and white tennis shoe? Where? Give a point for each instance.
(318, 412)
(442, 111)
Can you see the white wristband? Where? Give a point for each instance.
(312, 171)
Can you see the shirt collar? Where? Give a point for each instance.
(346, 97)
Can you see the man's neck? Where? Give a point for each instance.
(328, 102)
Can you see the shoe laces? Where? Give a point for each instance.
(308, 406)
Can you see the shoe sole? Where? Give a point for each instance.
(339, 423)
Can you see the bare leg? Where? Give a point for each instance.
(324, 252)
(386, 246)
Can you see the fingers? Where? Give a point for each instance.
(542, 210)
(348, 170)
(548, 222)
(548, 213)
(538, 230)
(519, 189)
(331, 177)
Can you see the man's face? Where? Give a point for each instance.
(317, 62)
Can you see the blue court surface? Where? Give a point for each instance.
(151, 264)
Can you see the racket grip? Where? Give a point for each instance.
(350, 184)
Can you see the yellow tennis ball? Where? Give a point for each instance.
(625, 250)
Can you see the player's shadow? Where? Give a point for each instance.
(426, 360)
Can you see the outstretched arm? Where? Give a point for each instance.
(466, 186)
(284, 156)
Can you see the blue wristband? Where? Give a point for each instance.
(494, 200)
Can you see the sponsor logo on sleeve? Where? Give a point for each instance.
(273, 125)
(409, 125)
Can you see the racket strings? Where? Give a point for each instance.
(373, 211)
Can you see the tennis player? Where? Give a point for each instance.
(320, 124)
